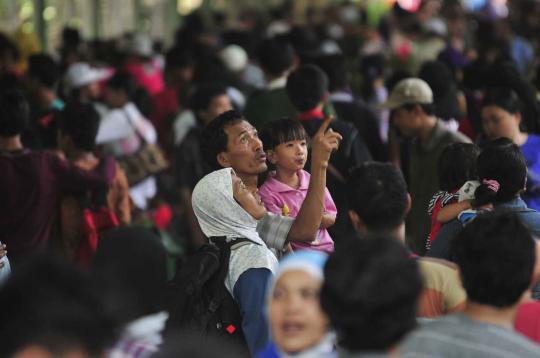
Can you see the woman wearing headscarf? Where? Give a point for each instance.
(299, 328)
(226, 208)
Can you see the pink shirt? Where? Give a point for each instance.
(276, 196)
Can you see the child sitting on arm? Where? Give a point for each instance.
(283, 192)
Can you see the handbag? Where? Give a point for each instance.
(147, 161)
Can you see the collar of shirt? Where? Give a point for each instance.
(311, 114)
(279, 187)
(514, 204)
(277, 83)
(341, 96)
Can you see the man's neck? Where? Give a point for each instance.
(249, 180)
(493, 315)
(427, 129)
(46, 98)
(11, 144)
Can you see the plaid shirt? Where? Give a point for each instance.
(274, 229)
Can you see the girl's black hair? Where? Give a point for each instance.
(281, 131)
(501, 160)
(457, 165)
(503, 97)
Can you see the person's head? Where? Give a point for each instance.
(501, 113)
(440, 79)
(286, 144)
(15, 113)
(502, 172)
(81, 82)
(370, 293)
(335, 67)
(457, 164)
(496, 257)
(130, 268)
(411, 100)
(208, 101)
(43, 71)
(179, 64)
(378, 197)
(78, 124)
(51, 308)
(297, 321)
(120, 90)
(230, 141)
(307, 87)
(276, 57)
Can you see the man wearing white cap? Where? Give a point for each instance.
(413, 113)
(81, 82)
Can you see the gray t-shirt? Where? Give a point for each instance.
(457, 336)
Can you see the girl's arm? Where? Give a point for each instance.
(451, 211)
(328, 220)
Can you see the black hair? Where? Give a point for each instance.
(335, 67)
(52, 304)
(281, 131)
(503, 97)
(496, 256)
(370, 293)
(203, 95)
(131, 290)
(428, 108)
(80, 121)
(500, 160)
(178, 57)
(214, 138)
(378, 194)
(44, 69)
(457, 164)
(15, 113)
(445, 96)
(123, 81)
(8, 48)
(275, 56)
(306, 87)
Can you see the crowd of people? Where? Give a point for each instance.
(352, 181)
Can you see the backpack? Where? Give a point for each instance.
(197, 299)
(97, 218)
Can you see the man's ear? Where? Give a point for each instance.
(271, 155)
(409, 203)
(223, 160)
(357, 222)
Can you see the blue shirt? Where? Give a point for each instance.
(531, 152)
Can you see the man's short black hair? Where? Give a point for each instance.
(370, 293)
(275, 56)
(457, 164)
(214, 138)
(80, 121)
(177, 58)
(306, 87)
(44, 69)
(496, 257)
(14, 113)
(378, 194)
(203, 95)
(50, 303)
(335, 67)
(123, 81)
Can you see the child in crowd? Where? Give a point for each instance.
(298, 325)
(457, 165)
(285, 189)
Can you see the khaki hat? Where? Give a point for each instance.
(409, 91)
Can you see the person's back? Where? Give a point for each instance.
(496, 256)
(32, 183)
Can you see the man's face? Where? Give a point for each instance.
(218, 105)
(407, 121)
(244, 150)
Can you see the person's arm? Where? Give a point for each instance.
(308, 220)
(451, 211)
(73, 179)
(122, 206)
(328, 220)
(330, 211)
(250, 294)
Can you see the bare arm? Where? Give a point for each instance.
(451, 211)
(328, 220)
(309, 217)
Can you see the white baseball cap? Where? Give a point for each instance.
(81, 74)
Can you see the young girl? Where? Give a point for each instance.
(285, 189)
(457, 165)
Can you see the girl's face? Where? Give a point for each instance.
(290, 155)
(296, 319)
(498, 123)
